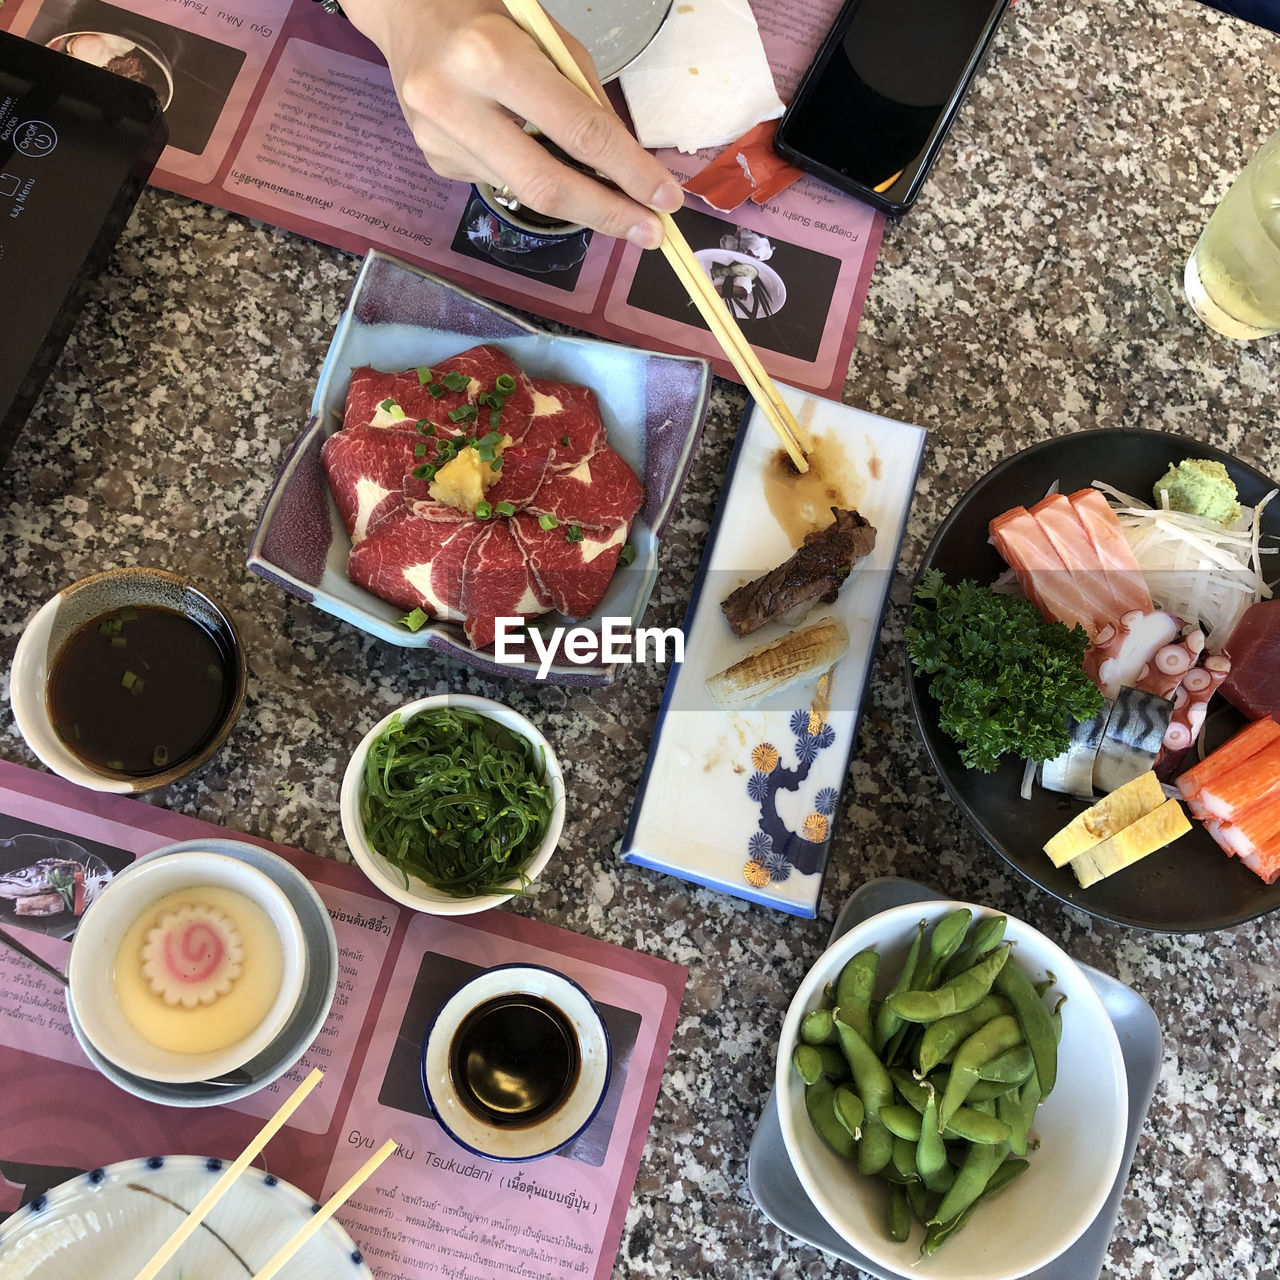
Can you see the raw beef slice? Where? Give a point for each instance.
(564, 411)
(415, 563)
(366, 475)
(497, 583)
(599, 493)
(483, 365)
(574, 576)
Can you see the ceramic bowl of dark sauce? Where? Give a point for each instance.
(516, 1062)
(128, 680)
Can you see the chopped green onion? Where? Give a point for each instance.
(504, 383)
(127, 613)
(116, 766)
(547, 521)
(425, 472)
(496, 465)
(119, 642)
(463, 413)
(420, 450)
(483, 509)
(572, 533)
(160, 756)
(436, 390)
(456, 381)
(424, 375)
(213, 671)
(110, 627)
(495, 416)
(387, 405)
(564, 439)
(415, 620)
(627, 555)
(504, 508)
(487, 445)
(488, 399)
(136, 687)
(129, 679)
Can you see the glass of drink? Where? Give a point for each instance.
(1233, 275)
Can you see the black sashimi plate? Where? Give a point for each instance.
(1189, 887)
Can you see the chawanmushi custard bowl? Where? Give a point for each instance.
(186, 967)
(128, 680)
(1074, 1139)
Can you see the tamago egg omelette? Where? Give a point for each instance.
(198, 970)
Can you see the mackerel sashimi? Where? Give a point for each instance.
(472, 493)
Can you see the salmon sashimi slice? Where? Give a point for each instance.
(1070, 539)
(1043, 577)
(1252, 739)
(1124, 576)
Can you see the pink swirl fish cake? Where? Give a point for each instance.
(193, 955)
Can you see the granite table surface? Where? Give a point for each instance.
(1034, 291)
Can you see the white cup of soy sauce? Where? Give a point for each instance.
(128, 680)
(516, 1063)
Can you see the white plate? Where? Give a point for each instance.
(747, 801)
(616, 32)
(108, 1223)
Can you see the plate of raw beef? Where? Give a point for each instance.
(598, 443)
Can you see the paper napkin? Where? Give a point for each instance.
(704, 80)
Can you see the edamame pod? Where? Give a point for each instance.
(987, 934)
(819, 1102)
(1018, 1110)
(939, 1234)
(875, 1147)
(976, 1126)
(913, 1092)
(888, 1022)
(875, 1088)
(961, 993)
(853, 991)
(988, 1091)
(1001, 1033)
(849, 1110)
(901, 1121)
(945, 940)
(818, 1026)
(918, 1199)
(931, 1151)
(898, 1223)
(943, 1037)
(904, 1159)
(979, 1163)
(807, 1062)
(1036, 1023)
(1011, 1067)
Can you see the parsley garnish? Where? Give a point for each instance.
(1005, 680)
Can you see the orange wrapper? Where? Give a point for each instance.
(749, 169)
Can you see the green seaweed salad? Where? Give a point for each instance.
(457, 800)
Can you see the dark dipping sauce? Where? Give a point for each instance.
(138, 691)
(514, 1060)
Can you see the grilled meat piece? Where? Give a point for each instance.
(816, 572)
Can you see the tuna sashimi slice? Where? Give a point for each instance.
(599, 493)
(1253, 684)
(573, 575)
(1070, 539)
(497, 583)
(366, 475)
(415, 563)
(1044, 579)
(566, 423)
(1124, 576)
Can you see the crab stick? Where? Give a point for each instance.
(1251, 740)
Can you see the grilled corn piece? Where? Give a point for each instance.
(1124, 806)
(771, 667)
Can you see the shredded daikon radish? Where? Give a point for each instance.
(1194, 568)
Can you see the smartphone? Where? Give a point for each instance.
(871, 113)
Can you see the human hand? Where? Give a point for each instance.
(467, 77)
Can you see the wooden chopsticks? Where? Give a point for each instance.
(330, 1207)
(215, 1193)
(233, 1171)
(529, 14)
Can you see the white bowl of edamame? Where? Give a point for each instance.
(927, 1030)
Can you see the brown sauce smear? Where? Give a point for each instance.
(801, 503)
